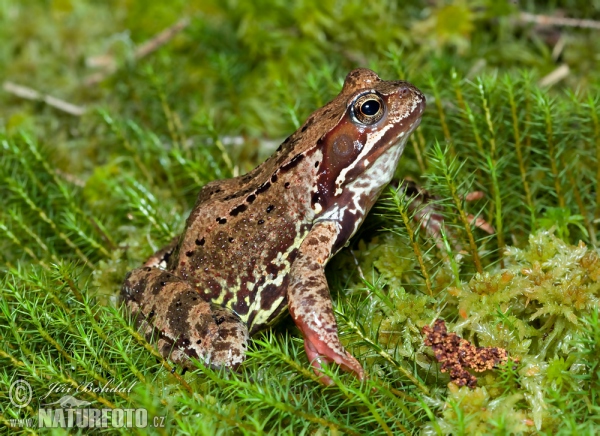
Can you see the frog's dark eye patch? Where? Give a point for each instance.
(368, 109)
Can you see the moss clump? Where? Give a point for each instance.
(536, 304)
(535, 308)
(476, 412)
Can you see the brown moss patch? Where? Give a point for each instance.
(457, 355)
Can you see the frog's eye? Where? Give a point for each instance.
(368, 109)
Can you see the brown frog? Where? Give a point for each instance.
(257, 244)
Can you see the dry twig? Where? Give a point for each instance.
(143, 50)
(32, 94)
(546, 20)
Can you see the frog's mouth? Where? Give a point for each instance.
(398, 141)
(403, 136)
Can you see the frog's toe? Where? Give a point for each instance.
(321, 352)
(230, 346)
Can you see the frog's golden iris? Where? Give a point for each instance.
(368, 109)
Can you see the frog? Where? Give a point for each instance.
(255, 247)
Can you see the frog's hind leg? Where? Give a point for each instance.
(169, 310)
(310, 303)
(160, 259)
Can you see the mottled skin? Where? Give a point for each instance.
(257, 244)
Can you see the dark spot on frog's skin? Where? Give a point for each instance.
(304, 127)
(211, 289)
(315, 198)
(158, 282)
(263, 188)
(313, 266)
(292, 163)
(273, 178)
(184, 344)
(317, 164)
(270, 208)
(200, 241)
(222, 346)
(268, 296)
(189, 253)
(311, 241)
(287, 185)
(251, 198)
(220, 320)
(323, 292)
(147, 269)
(222, 220)
(284, 142)
(261, 221)
(237, 210)
(274, 269)
(231, 239)
(212, 191)
(178, 310)
(199, 341)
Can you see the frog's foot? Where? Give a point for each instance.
(310, 304)
(324, 347)
(169, 310)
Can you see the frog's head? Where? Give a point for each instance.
(360, 152)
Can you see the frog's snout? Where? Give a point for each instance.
(408, 91)
(405, 91)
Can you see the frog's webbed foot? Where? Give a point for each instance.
(170, 312)
(310, 304)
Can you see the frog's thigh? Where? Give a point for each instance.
(169, 310)
(310, 304)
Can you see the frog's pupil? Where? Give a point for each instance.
(370, 107)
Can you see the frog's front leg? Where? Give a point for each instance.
(310, 304)
(170, 311)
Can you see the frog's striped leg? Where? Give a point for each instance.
(310, 303)
(168, 310)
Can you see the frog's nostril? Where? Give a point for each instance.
(404, 91)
